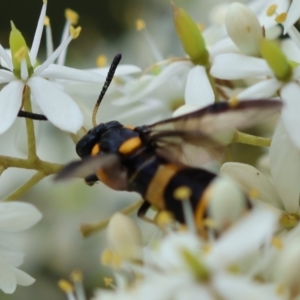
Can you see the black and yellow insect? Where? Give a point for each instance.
(145, 159)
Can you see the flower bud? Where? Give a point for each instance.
(276, 60)
(227, 202)
(190, 37)
(244, 29)
(124, 237)
(19, 51)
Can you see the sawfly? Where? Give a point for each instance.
(145, 159)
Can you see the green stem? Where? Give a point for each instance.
(213, 84)
(88, 229)
(2, 169)
(25, 187)
(32, 156)
(244, 138)
(39, 165)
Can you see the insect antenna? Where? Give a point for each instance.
(107, 82)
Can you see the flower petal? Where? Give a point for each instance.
(290, 111)
(250, 179)
(232, 287)
(11, 255)
(53, 56)
(62, 72)
(171, 70)
(8, 282)
(38, 35)
(291, 50)
(292, 16)
(198, 90)
(236, 66)
(17, 216)
(10, 103)
(6, 76)
(58, 107)
(120, 71)
(244, 29)
(247, 236)
(262, 89)
(23, 278)
(285, 168)
(185, 109)
(146, 84)
(6, 58)
(225, 45)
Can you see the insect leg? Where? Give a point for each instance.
(143, 210)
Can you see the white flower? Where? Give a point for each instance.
(14, 217)
(242, 67)
(58, 107)
(285, 170)
(182, 266)
(244, 25)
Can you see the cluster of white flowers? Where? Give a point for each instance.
(249, 51)
(246, 55)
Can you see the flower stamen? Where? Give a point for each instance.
(101, 61)
(74, 32)
(271, 10)
(71, 16)
(67, 288)
(183, 194)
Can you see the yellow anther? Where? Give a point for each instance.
(65, 286)
(277, 243)
(164, 218)
(210, 223)
(200, 26)
(281, 289)
(101, 61)
(44, 1)
(71, 16)
(289, 220)
(47, 21)
(116, 261)
(76, 276)
(75, 32)
(271, 10)
(21, 54)
(183, 228)
(253, 193)
(281, 18)
(234, 269)
(206, 249)
(140, 24)
(182, 193)
(106, 257)
(233, 102)
(108, 281)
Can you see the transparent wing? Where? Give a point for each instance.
(109, 163)
(210, 125)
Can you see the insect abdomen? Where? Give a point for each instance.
(156, 180)
(197, 180)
